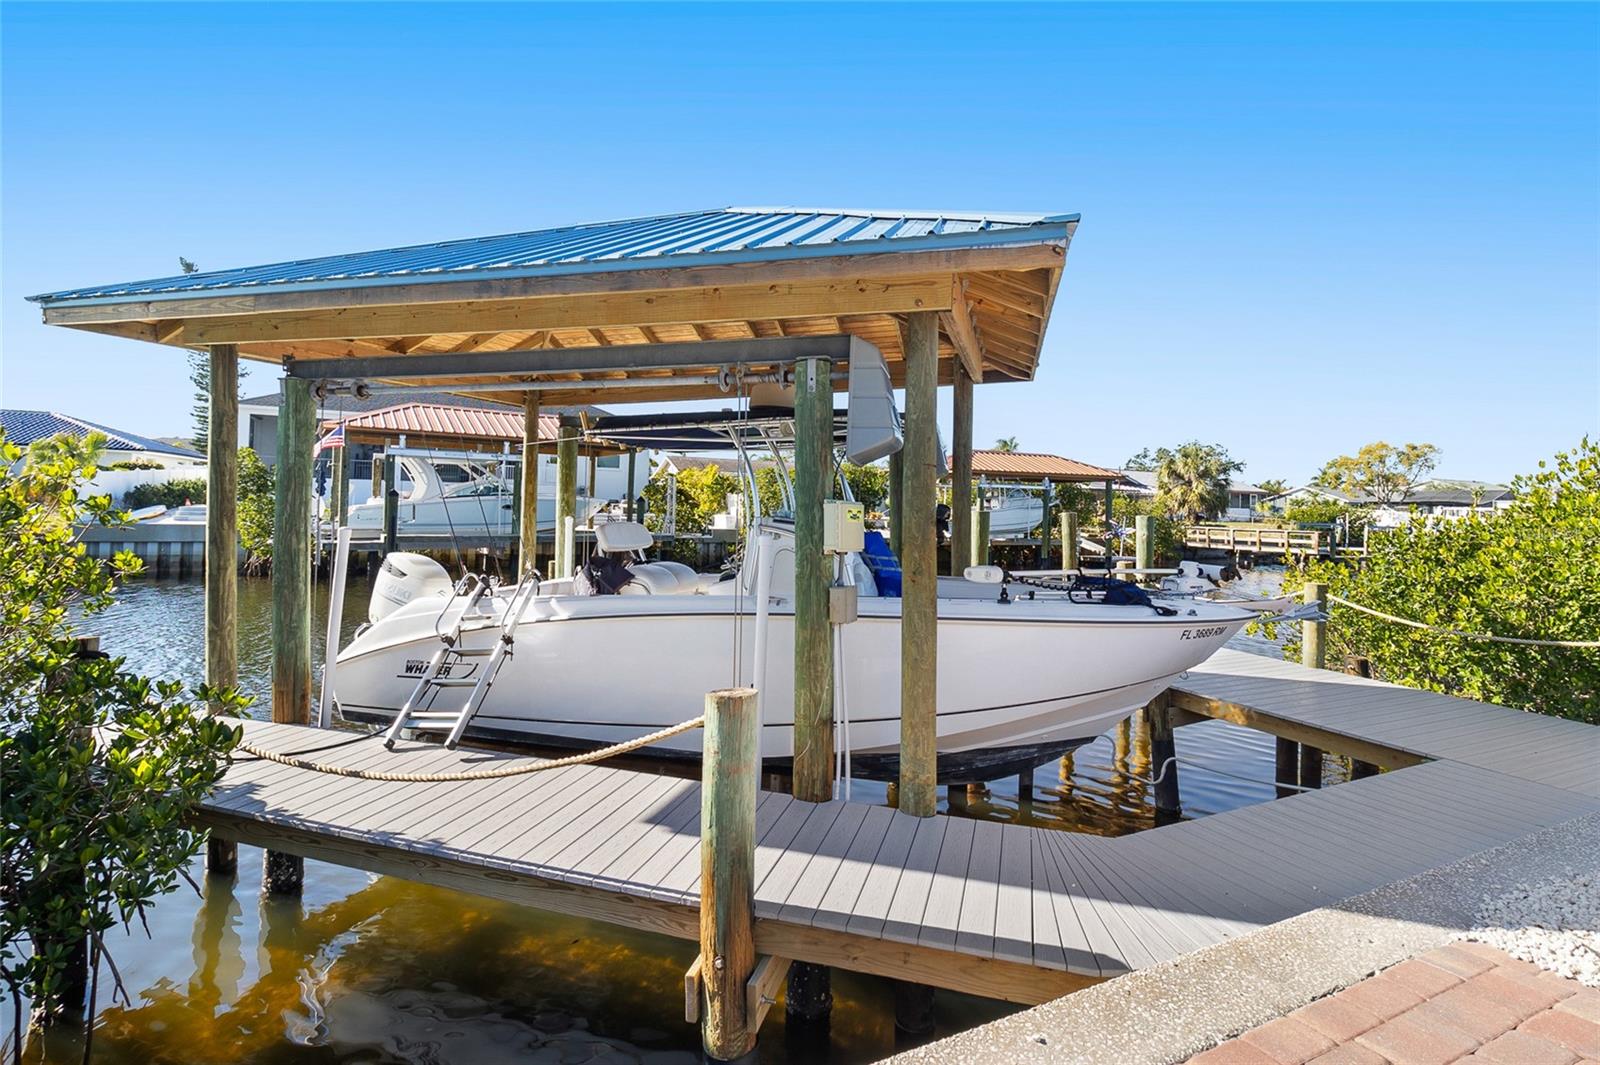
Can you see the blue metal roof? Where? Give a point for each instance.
(23, 427)
(728, 235)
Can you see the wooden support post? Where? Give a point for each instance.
(1025, 795)
(1163, 758)
(813, 636)
(1144, 541)
(282, 874)
(1314, 634)
(1310, 766)
(222, 557)
(594, 468)
(809, 998)
(1360, 666)
(1110, 549)
(343, 467)
(291, 588)
(1286, 766)
(528, 503)
(980, 536)
(913, 1008)
(961, 554)
(1069, 541)
(1047, 525)
(727, 870)
(391, 503)
(633, 456)
(897, 519)
(919, 663)
(376, 473)
(566, 492)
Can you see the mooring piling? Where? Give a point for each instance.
(1286, 767)
(963, 523)
(919, 564)
(221, 557)
(1314, 634)
(1069, 541)
(727, 872)
(291, 591)
(813, 635)
(1163, 758)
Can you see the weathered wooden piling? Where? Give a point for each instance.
(727, 871)
(528, 486)
(1144, 541)
(391, 503)
(1314, 634)
(221, 560)
(291, 590)
(1069, 541)
(1163, 758)
(961, 518)
(566, 493)
(1286, 766)
(913, 1009)
(1360, 666)
(897, 516)
(813, 636)
(1047, 524)
(343, 467)
(633, 458)
(919, 562)
(1310, 766)
(981, 523)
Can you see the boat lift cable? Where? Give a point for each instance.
(587, 758)
(1166, 767)
(1458, 633)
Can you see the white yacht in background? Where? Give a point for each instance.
(1013, 512)
(1025, 671)
(459, 495)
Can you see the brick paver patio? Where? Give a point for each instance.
(1462, 1002)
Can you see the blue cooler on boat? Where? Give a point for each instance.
(881, 561)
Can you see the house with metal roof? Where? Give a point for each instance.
(1034, 467)
(24, 427)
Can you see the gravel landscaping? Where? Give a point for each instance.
(1555, 924)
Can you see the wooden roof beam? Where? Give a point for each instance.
(957, 323)
(734, 304)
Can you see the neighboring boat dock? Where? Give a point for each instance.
(1001, 910)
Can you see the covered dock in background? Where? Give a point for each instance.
(689, 306)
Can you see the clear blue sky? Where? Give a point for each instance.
(1304, 227)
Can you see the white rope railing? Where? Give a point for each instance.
(485, 774)
(1459, 634)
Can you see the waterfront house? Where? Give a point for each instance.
(1438, 498)
(1244, 499)
(24, 427)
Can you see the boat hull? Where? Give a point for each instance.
(1018, 681)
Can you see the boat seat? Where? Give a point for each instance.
(661, 578)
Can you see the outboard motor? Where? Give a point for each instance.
(403, 577)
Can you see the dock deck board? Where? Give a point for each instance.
(624, 845)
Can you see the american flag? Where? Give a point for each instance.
(333, 439)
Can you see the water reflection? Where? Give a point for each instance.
(372, 969)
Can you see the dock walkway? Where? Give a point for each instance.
(1001, 910)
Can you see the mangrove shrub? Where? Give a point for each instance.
(1529, 571)
(100, 767)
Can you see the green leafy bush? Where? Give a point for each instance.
(1528, 571)
(101, 767)
(167, 494)
(257, 490)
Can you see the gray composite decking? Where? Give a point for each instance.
(983, 890)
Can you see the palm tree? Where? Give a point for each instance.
(1006, 443)
(1192, 482)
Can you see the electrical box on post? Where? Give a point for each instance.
(843, 526)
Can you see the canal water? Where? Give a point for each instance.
(365, 968)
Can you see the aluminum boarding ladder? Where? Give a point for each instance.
(450, 653)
